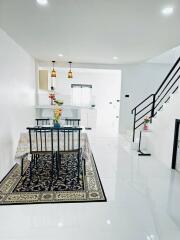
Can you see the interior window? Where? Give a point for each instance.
(81, 95)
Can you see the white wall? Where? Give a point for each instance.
(106, 88)
(16, 97)
(162, 137)
(139, 81)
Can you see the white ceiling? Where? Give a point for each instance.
(92, 31)
(168, 57)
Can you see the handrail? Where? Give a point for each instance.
(142, 102)
(168, 82)
(155, 99)
(139, 125)
(167, 91)
(143, 115)
(172, 69)
(144, 108)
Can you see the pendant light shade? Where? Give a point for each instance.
(70, 74)
(53, 72)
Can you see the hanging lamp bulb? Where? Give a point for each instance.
(53, 72)
(70, 74)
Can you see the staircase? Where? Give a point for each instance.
(155, 102)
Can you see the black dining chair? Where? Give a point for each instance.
(42, 121)
(68, 141)
(72, 122)
(41, 143)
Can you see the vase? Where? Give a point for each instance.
(56, 125)
(145, 127)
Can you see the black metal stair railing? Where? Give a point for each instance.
(154, 102)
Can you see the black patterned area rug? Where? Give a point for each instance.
(42, 188)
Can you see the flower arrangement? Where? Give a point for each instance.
(146, 122)
(57, 111)
(52, 97)
(57, 107)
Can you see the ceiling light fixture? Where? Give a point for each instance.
(167, 11)
(42, 2)
(108, 222)
(53, 72)
(70, 74)
(60, 55)
(60, 224)
(115, 58)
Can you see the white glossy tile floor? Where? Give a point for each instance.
(143, 203)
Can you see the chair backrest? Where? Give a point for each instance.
(42, 121)
(40, 139)
(66, 139)
(72, 121)
(49, 139)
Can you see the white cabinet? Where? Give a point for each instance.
(88, 117)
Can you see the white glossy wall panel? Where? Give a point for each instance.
(17, 96)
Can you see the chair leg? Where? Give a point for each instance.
(30, 169)
(78, 166)
(66, 162)
(22, 163)
(84, 166)
(35, 161)
(57, 164)
(59, 157)
(52, 170)
(84, 170)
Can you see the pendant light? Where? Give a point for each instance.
(53, 72)
(70, 74)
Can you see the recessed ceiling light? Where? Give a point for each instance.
(151, 237)
(42, 2)
(108, 222)
(115, 58)
(167, 11)
(60, 224)
(60, 55)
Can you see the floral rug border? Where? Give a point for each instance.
(93, 191)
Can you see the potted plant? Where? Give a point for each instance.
(146, 122)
